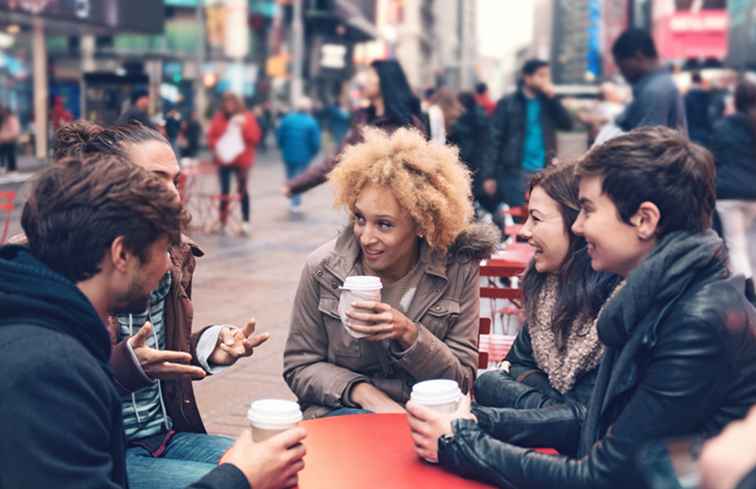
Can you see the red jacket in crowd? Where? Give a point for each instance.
(250, 133)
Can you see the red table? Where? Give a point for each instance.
(509, 262)
(367, 451)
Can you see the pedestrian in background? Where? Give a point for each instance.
(298, 137)
(392, 105)
(140, 104)
(173, 128)
(10, 130)
(471, 133)
(734, 148)
(232, 138)
(191, 132)
(523, 131)
(339, 120)
(656, 100)
(699, 110)
(484, 99)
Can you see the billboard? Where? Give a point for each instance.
(143, 16)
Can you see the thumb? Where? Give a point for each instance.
(140, 338)
(249, 327)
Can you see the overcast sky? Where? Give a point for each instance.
(503, 22)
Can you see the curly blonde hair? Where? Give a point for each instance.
(427, 179)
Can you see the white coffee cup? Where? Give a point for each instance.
(268, 417)
(441, 395)
(358, 288)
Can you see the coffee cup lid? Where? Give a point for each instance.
(362, 282)
(274, 413)
(437, 391)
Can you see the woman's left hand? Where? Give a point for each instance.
(427, 426)
(381, 322)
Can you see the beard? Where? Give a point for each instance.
(136, 300)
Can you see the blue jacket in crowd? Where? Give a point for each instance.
(298, 136)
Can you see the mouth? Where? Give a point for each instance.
(537, 250)
(372, 254)
(590, 248)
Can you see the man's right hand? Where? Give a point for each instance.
(271, 464)
(162, 364)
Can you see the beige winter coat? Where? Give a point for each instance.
(322, 361)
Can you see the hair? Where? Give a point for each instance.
(137, 94)
(696, 77)
(81, 138)
(399, 102)
(533, 65)
(659, 165)
(77, 208)
(232, 96)
(427, 179)
(449, 105)
(580, 291)
(467, 99)
(481, 88)
(633, 41)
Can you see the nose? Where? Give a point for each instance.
(367, 235)
(577, 226)
(526, 231)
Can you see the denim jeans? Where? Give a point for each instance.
(188, 458)
(347, 412)
(292, 170)
(242, 175)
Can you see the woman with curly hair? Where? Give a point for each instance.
(410, 208)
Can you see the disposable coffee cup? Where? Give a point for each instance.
(269, 417)
(441, 395)
(358, 288)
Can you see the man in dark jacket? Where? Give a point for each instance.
(523, 131)
(656, 100)
(679, 333)
(137, 113)
(98, 238)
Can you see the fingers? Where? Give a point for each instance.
(226, 336)
(289, 438)
(256, 340)
(384, 317)
(169, 370)
(152, 356)
(249, 327)
(373, 329)
(371, 306)
(419, 412)
(140, 338)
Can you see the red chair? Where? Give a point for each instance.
(7, 206)
(484, 328)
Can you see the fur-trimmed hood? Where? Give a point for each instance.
(475, 242)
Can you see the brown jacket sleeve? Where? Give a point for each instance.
(456, 356)
(306, 367)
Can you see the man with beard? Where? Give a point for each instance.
(98, 238)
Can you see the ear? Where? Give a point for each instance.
(119, 256)
(646, 221)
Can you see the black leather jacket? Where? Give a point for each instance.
(680, 361)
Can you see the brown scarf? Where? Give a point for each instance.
(583, 350)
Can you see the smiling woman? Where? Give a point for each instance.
(410, 226)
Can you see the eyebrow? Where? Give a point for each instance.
(380, 216)
(585, 201)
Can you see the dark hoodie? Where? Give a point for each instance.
(60, 413)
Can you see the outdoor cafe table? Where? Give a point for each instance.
(369, 451)
(511, 261)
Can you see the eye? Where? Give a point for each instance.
(385, 225)
(359, 219)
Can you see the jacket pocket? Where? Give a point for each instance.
(343, 349)
(441, 316)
